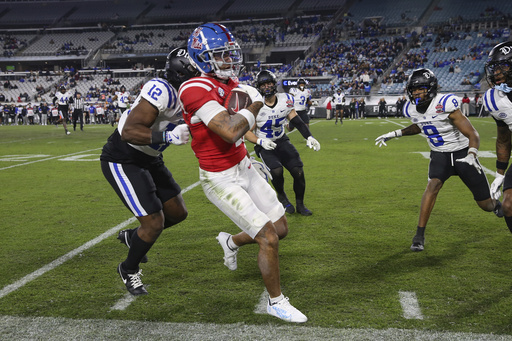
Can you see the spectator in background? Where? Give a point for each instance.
(479, 105)
(399, 106)
(465, 105)
(362, 108)
(382, 108)
(43, 113)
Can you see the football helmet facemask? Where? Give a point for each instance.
(178, 68)
(422, 79)
(213, 49)
(498, 68)
(263, 78)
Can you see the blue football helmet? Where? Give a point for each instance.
(213, 49)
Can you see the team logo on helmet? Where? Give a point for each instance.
(505, 49)
(196, 42)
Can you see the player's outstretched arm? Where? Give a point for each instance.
(413, 129)
(304, 130)
(265, 143)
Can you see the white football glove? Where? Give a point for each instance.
(261, 168)
(253, 93)
(471, 160)
(381, 140)
(267, 144)
(496, 186)
(313, 143)
(179, 135)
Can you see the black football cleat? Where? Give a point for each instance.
(132, 281)
(124, 237)
(418, 243)
(498, 209)
(288, 207)
(303, 210)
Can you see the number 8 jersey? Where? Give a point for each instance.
(436, 126)
(271, 120)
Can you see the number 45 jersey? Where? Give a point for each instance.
(436, 126)
(271, 120)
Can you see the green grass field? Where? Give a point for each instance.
(344, 267)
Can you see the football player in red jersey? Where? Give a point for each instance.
(227, 176)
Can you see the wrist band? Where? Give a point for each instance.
(248, 116)
(157, 137)
(398, 132)
(501, 165)
(473, 150)
(259, 141)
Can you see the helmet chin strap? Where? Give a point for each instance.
(503, 87)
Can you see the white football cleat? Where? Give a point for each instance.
(229, 254)
(285, 311)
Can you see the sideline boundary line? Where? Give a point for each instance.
(52, 328)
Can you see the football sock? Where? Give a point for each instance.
(299, 183)
(275, 299)
(231, 244)
(278, 179)
(138, 249)
(420, 231)
(508, 220)
(132, 231)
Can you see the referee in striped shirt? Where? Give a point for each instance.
(78, 112)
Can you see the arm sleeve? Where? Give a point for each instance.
(301, 126)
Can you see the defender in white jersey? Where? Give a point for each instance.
(62, 99)
(498, 101)
(132, 163)
(302, 98)
(274, 147)
(453, 142)
(338, 99)
(122, 98)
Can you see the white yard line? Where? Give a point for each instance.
(410, 305)
(124, 302)
(59, 261)
(261, 307)
(48, 158)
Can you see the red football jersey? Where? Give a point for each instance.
(214, 154)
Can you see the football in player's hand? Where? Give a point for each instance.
(236, 100)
